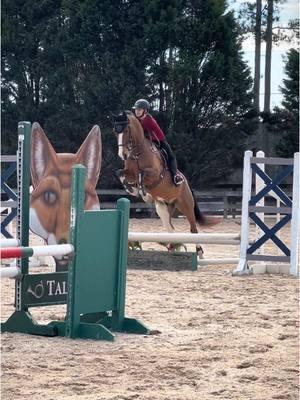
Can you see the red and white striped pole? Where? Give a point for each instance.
(24, 252)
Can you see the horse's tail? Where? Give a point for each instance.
(202, 219)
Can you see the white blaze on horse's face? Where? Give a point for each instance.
(120, 145)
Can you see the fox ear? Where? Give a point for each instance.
(90, 155)
(42, 153)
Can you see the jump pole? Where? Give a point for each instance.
(9, 272)
(186, 238)
(218, 261)
(9, 243)
(23, 252)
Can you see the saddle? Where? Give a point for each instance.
(164, 155)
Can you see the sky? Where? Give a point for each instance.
(288, 10)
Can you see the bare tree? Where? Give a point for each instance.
(269, 37)
(257, 33)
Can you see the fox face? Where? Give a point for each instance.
(51, 175)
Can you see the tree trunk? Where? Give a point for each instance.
(268, 57)
(257, 56)
(161, 84)
(267, 98)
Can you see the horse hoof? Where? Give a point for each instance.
(200, 255)
(200, 252)
(170, 247)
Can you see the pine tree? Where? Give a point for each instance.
(287, 116)
(69, 63)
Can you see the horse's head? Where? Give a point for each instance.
(122, 130)
(129, 133)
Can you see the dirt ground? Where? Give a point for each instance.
(215, 337)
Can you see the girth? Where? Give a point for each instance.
(155, 184)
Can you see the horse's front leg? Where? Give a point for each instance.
(141, 186)
(129, 186)
(146, 175)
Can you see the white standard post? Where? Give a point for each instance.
(295, 225)
(247, 182)
(259, 185)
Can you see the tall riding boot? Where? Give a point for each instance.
(172, 163)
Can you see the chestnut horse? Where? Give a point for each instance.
(145, 173)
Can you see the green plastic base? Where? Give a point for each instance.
(97, 326)
(85, 331)
(129, 325)
(22, 321)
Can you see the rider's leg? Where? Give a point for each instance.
(172, 162)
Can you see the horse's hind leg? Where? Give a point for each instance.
(187, 209)
(165, 212)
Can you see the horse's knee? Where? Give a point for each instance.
(148, 198)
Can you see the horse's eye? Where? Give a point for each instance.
(50, 197)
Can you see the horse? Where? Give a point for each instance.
(145, 173)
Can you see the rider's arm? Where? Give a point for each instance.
(154, 128)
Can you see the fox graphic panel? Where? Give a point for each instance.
(51, 175)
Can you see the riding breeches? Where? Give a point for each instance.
(172, 163)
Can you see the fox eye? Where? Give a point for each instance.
(50, 197)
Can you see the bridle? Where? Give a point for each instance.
(119, 127)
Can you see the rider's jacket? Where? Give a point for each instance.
(150, 125)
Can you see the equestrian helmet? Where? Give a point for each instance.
(142, 103)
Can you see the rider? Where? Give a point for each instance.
(149, 124)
